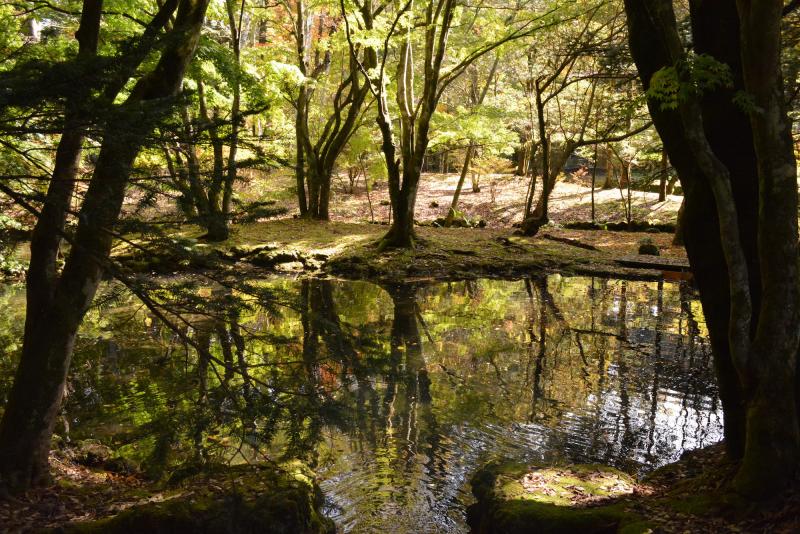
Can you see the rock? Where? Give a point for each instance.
(121, 465)
(515, 498)
(241, 251)
(271, 258)
(289, 267)
(242, 499)
(90, 453)
(648, 248)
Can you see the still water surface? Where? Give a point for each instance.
(397, 394)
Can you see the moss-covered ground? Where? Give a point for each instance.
(90, 494)
(687, 496)
(350, 250)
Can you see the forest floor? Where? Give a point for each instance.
(350, 250)
(346, 246)
(690, 495)
(500, 201)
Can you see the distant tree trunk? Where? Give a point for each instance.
(186, 201)
(624, 176)
(233, 145)
(594, 181)
(300, 165)
(677, 239)
(33, 403)
(664, 176)
(216, 222)
(521, 157)
(532, 221)
(608, 182)
(451, 213)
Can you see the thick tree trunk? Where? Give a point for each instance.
(772, 444)
(752, 312)
(319, 179)
(23, 462)
(677, 239)
(29, 417)
(729, 135)
(401, 234)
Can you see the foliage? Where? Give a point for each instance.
(695, 75)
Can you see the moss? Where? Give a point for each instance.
(242, 499)
(516, 498)
(351, 250)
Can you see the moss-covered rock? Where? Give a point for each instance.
(647, 247)
(243, 499)
(90, 453)
(516, 498)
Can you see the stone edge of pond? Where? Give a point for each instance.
(506, 505)
(689, 495)
(436, 264)
(278, 498)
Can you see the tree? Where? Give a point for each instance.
(342, 107)
(219, 85)
(476, 97)
(58, 303)
(437, 17)
(580, 75)
(722, 117)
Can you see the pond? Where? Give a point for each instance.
(395, 395)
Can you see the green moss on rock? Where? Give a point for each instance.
(243, 499)
(516, 498)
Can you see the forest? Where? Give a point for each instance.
(316, 266)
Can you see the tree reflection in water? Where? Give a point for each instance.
(397, 394)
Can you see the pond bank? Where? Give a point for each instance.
(92, 495)
(685, 496)
(349, 250)
(513, 498)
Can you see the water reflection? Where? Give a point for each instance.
(397, 394)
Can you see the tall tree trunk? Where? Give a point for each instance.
(216, 222)
(300, 164)
(35, 398)
(24, 462)
(752, 312)
(772, 443)
(230, 177)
